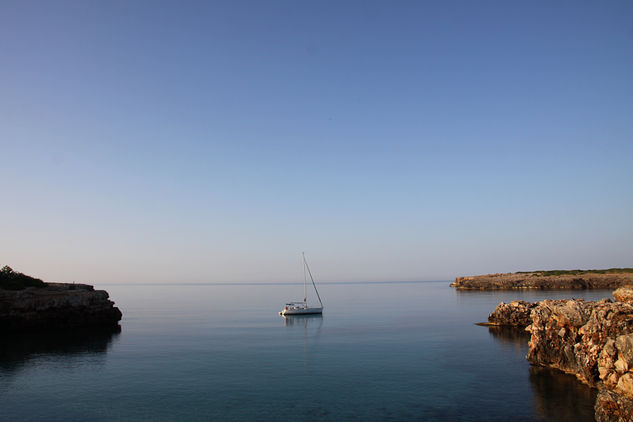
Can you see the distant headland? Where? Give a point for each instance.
(611, 278)
(30, 304)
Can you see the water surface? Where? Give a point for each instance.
(381, 351)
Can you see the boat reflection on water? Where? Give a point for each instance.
(310, 325)
(313, 320)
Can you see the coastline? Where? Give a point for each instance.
(590, 340)
(57, 306)
(548, 280)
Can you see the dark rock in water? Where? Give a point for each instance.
(516, 313)
(57, 306)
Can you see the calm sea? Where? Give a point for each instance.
(380, 352)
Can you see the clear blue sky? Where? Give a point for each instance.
(214, 141)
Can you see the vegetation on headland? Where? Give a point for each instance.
(611, 278)
(13, 280)
(577, 272)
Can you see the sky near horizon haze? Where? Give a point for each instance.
(158, 141)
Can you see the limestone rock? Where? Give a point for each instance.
(624, 345)
(56, 306)
(625, 385)
(621, 366)
(613, 407)
(516, 313)
(624, 294)
(590, 339)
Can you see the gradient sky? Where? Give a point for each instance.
(147, 141)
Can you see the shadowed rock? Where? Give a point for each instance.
(611, 407)
(57, 306)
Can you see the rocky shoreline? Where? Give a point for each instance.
(591, 340)
(601, 279)
(57, 306)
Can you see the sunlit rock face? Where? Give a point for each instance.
(592, 340)
(515, 313)
(571, 334)
(624, 294)
(615, 364)
(56, 306)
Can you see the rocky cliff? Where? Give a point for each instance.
(56, 306)
(591, 340)
(546, 280)
(624, 294)
(516, 314)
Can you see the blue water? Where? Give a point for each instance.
(380, 352)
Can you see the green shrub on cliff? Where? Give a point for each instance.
(12, 280)
(578, 272)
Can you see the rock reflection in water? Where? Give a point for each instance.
(17, 349)
(557, 396)
(514, 336)
(561, 397)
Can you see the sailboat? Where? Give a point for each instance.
(302, 308)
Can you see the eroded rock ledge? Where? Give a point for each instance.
(592, 340)
(57, 306)
(624, 294)
(545, 280)
(516, 314)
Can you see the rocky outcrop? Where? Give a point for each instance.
(516, 314)
(571, 335)
(624, 294)
(541, 280)
(591, 340)
(615, 369)
(56, 306)
(612, 407)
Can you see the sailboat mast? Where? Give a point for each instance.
(305, 280)
(311, 278)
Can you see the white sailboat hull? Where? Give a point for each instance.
(301, 311)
